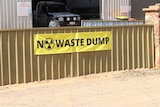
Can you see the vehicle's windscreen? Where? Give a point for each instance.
(56, 8)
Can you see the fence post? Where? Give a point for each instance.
(152, 16)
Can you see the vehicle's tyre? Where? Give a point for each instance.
(53, 23)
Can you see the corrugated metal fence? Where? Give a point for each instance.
(0, 16)
(89, 23)
(132, 47)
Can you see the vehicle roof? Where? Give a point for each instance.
(49, 2)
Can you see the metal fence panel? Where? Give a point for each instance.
(96, 23)
(132, 47)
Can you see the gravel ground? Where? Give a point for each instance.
(134, 88)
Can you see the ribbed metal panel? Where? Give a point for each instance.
(0, 15)
(9, 18)
(88, 23)
(132, 47)
(112, 8)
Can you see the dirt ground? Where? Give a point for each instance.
(134, 88)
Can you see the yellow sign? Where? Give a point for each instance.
(71, 42)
